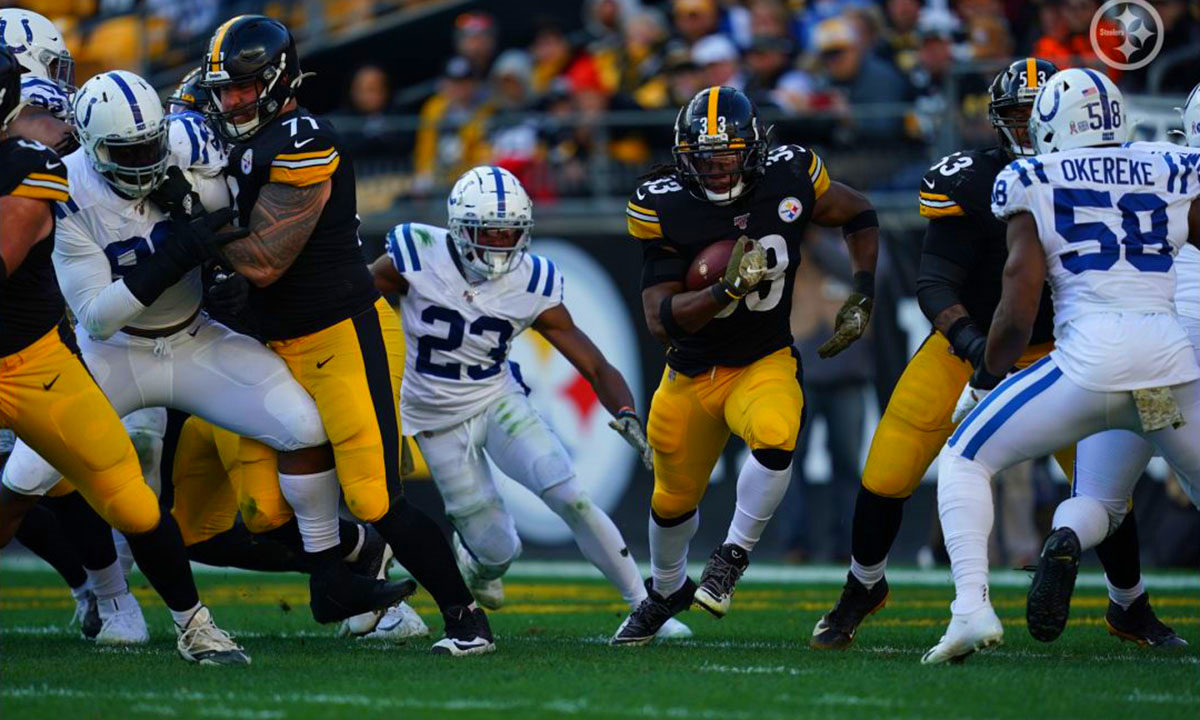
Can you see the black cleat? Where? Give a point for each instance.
(467, 633)
(374, 557)
(1139, 624)
(721, 573)
(1049, 601)
(836, 629)
(643, 624)
(336, 593)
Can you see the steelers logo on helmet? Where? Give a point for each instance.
(720, 147)
(1011, 101)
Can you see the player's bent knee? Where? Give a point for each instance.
(773, 431)
(889, 485)
(265, 517)
(132, 510)
(367, 503)
(491, 537)
(670, 505)
(569, 501)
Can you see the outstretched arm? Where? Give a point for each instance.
(559, 328)
(1024, 275)
(844, 207)
(281, 223)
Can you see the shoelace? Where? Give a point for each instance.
(725, 573)
(217, 638)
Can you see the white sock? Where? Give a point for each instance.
(1086, 516)
(668, 553)
(182, 618)
(759, 492)
(124, 552)
(352, 556)
(868, 575)
(108, 582)
(1125, 596)
(598, 538)
(964, 496)
(314, 499)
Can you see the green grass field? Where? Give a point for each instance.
(552, 661)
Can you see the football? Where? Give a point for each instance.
(709, 265)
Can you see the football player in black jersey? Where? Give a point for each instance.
(316, 304)
(730, 364)
(51, 401)
(962, 263)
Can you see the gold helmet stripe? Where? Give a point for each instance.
(214, 57)
(714, 93)
(1031, 80)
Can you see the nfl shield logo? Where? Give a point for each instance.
(741, 221)
(247, 161)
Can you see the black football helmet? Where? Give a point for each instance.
(1011, 99)
(250, 49)
(10, 86)
(189, 95)
(720, 147)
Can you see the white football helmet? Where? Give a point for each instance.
(489, 198)
(38, 46)
(121, 127)
(1191, 118)
(1077, 108)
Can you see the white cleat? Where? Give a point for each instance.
(489, 593)
(397, 624)
(204, 643)
(967, 633)
(673, 630)
(121, 622)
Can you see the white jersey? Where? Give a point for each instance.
(1111, 221)
(458, 333)
(44, 94)
(100, 235)
(1187, 263)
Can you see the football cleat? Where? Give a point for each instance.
(397, 623)
(467, 633)
(374, 557)
(1139, 624)
(121, 622)
(672, 629)
(336, 594)
(835, 631)
(652, 614)
(967, 633)
(1049, 600)
(87, 615)
(720, 575)
(488, 592)
(202, 642)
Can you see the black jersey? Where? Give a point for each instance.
(329, 280)
(960, 186)
(672, 223)
(30, 301)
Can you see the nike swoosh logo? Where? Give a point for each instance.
(302, 143)
(47, 386)
(321, 364)
(927, 182)
(640, 195)
(52, 165)
(470, 646)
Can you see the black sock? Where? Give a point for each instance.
(88, 533)
(349, 534)
(162, 558)
(1119, 554)
(424, 551)
(238, 547)
(876, 524)
(41, 532)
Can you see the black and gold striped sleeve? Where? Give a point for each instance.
(33, 171)
(818, 175)
(938, 205)
(641, 218)
(307, 167)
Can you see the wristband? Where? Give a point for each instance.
(863, 221)
(666, 316)
(967, 341)
(864, 283)
(626, 411)
(720, 293)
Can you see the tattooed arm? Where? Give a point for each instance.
(280, 224)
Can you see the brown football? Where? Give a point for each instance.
(709, 265)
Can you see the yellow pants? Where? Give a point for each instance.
(218, 474)
(353, 371)
(917, 422)
(691, 419)
(48, 398)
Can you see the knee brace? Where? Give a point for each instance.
(491, 537)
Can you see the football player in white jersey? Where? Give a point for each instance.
(465, 293)
(49, 80)
(1109, 464)
(130, 274)
(1103, 223)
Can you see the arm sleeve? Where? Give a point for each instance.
(99, 304)
(946, 255)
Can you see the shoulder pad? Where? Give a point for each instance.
(641, 212)
(30, 169)
(194, 145)
(544, 278)
(958, 184)
(300, 151)
(407, 243)
(802, 162)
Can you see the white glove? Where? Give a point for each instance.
(630, 428)
(970, 397)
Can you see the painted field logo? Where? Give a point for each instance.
(1127, 34)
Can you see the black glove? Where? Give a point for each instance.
(983, 379)
(967, 341)
(227, 295)
(188, 245)
(175, 196)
